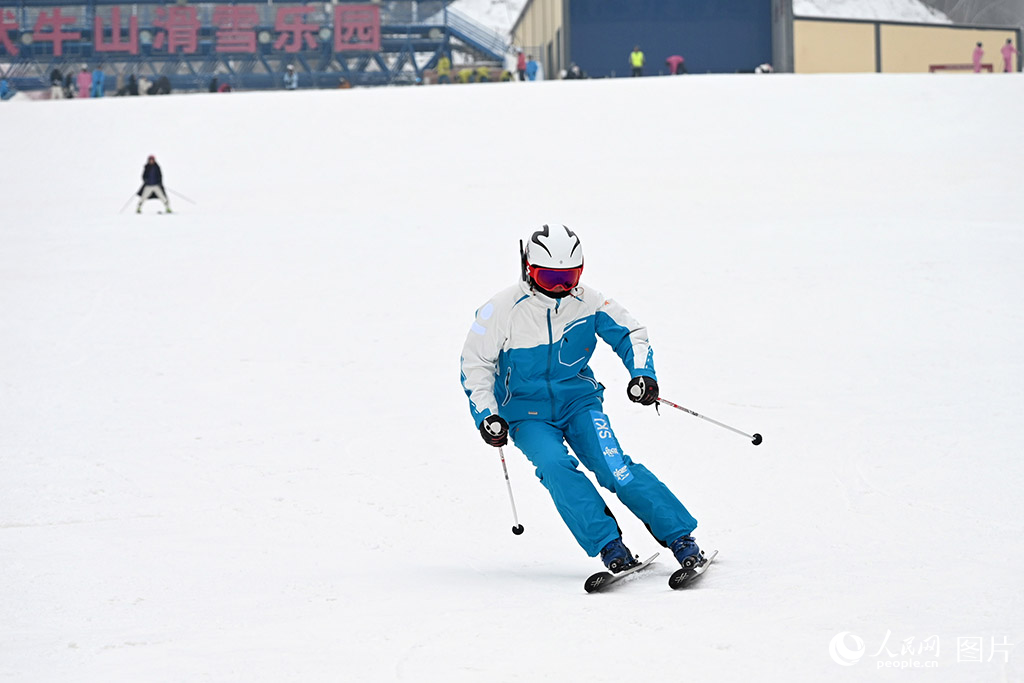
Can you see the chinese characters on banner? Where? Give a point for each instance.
(356, 28)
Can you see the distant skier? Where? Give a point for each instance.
(676, 65)
(1009, 52)
(636, 61)
(152, 185)
(83, 82)
(291, 79)
(525, 371)
(976, 58)
(444, 69)
(97, 87)
(532, 68)
(56, 85)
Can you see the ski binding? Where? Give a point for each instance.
(683, 577)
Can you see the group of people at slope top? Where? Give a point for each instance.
(1009, 51)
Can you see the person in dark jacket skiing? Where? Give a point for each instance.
(152, 185)
(525, 369)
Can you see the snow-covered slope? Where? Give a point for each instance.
(233, 444)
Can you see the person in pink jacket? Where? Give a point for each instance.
(976, 58)
(676, 65)
(83, 82)
(1009, 52)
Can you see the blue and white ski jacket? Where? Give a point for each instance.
(526, 354)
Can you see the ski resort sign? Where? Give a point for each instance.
(184, 29)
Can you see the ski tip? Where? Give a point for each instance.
(595, 582)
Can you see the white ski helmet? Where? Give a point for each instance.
(553, 259)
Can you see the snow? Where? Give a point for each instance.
(884, 10)
(497, 15)
(234, 447)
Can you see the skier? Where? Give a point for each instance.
(152, 185)
(56, 85)
(97, 87)
(83, 82)
(525, 371)
(291, 79)
(532, 68)
(636, 61)
(976, 56)
(676, 65)
(1009, 52)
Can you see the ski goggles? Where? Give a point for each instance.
(556, 279)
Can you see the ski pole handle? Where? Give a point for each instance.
(518, 528)
(754, 438)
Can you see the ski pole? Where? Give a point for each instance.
(174, 192)
(518, 528)
(127, 203)
(754, 438)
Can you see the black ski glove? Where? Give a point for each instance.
(642, 390)
(494, 430)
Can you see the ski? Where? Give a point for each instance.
(683, 577)
(601, 580)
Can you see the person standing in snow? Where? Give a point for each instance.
(98, 86)
(291, 79)
(152, 185)
(83, 82)
(521, 65)
(56, 85)
(525, 371)
(444, 69)
(1009, 52)
(532, 67)
(636, 61)
(976, 58)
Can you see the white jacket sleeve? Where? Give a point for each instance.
(627, 337)
(480, 358)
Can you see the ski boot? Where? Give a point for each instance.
(617, 557)
(687, 552)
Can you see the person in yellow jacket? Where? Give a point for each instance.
(444, 70)
(483, 74)
(636, 60)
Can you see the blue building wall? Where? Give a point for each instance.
(716, 36)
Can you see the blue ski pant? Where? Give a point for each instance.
(589, 434)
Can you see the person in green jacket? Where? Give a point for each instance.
(636, 60)
(444, 69)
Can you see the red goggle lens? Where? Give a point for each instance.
(556, 279)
